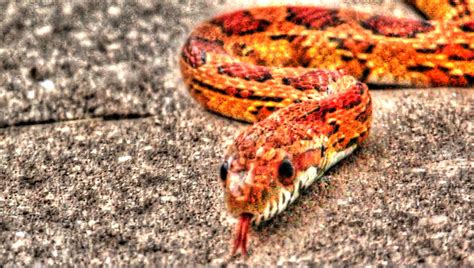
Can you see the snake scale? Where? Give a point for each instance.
(300, 73)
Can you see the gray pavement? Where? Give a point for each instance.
(105, 158)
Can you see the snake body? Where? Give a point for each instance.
(300, 73)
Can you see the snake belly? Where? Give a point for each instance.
(300, 72)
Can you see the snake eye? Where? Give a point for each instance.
(223, 171)
(286, 169)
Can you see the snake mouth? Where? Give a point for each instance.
(288, 196)
(285, 198)
(242, 232)
(303, 180)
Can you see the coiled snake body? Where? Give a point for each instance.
(295, 71)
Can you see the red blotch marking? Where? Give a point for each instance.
(245, 93)
(307, 159)
(362, 117)
(440, 78)
(245, 71)
(231, 91)
(346, 100)
(396, 27)
(264, 112)
(468, 27)
(316, 79)
(457, 52)
(241, 23)
(314, 17)
(194, 51)
(458, 81)
(357, 46)
(239, 92)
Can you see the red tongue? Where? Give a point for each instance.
(242, 234)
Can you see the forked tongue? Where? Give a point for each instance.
(242, 234)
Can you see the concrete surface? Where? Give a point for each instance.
(105, 159)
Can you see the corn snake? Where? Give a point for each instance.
(295, 71)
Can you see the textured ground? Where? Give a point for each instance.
(105, 159)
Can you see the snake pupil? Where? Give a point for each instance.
(286, 170)
(223, 171)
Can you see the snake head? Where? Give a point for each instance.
(267, 166)
(261, 179)
(250, 183)
(265, 185)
